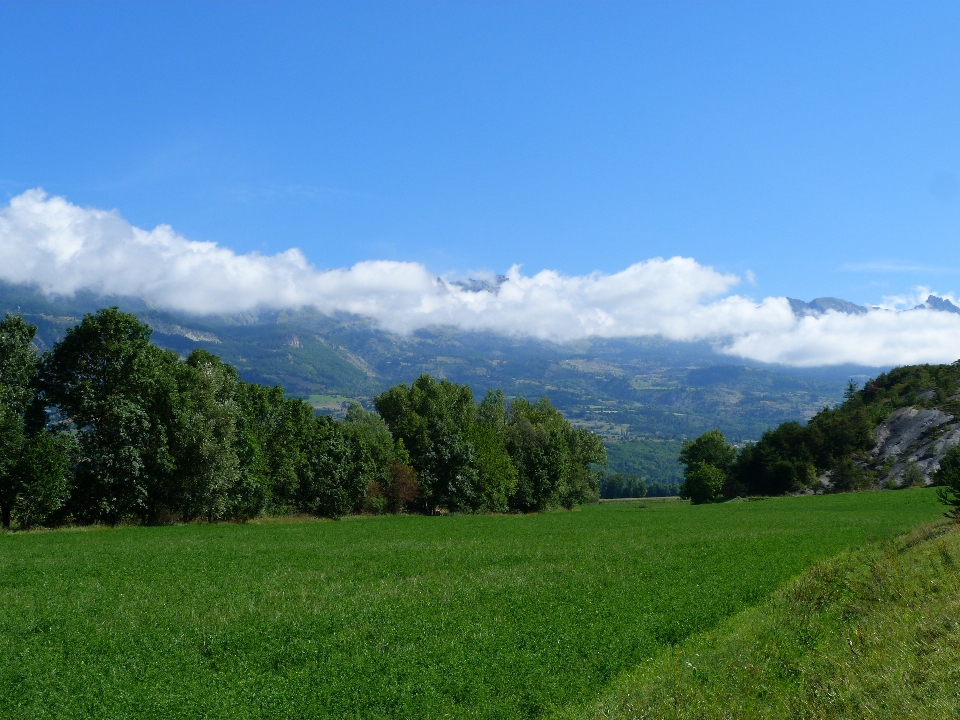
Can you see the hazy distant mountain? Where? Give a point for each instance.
(936, 303)
(818, 306)
(622, 388)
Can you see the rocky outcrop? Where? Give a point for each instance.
(166, 328)
(913, 435)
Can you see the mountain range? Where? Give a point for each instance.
(643, 395)
(628, 388)
(819, 306)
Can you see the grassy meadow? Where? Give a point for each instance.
(401, 617)
(873, 633)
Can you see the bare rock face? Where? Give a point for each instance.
(914, 435)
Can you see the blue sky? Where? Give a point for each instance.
(817, 145)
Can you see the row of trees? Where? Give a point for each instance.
(486, 458)
(618, 485)
(107, 427)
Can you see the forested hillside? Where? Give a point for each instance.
(898, 430)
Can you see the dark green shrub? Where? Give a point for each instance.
(947, 478)
(847, 476)
(912, 475)
(704, 484)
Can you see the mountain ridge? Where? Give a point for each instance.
(821, 305)
(628, 388)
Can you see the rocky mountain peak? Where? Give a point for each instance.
(938, 303)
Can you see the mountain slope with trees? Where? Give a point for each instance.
(648, 389)
(900, 429)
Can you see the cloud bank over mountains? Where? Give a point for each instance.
(62, 248)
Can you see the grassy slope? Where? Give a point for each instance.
(494, 617)
(874, 633)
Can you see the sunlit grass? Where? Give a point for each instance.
(419, 617)
(871, 634)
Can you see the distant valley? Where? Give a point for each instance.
(647, 393)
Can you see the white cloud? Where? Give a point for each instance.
(64, 248)
(910, 300)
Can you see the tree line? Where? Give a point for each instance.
(620, 485)
(788, 458)
(107, 427)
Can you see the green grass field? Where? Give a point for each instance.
(419, 617)
(873, 633)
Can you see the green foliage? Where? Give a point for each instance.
(791, 457)
(209, 482)
(18, 363)
(471, 457)
(433, 419)
(711, 448)
(767, 468)
(835, 442)
(834, 434)
(44, 476)
(614, 485)
(908, 386)
(270, 438)
(537, 449)
(105, 378)
(655, 461)
(707, 461)
(704, 484)
(497, 475)
(847, 475)
(336, 474)
(552, 459)
(947, 480)
(33, 461)
(368, 429)
(12, 440)
(493, 616)
(403, 489)
(586, 450)
(912, 475)
(156, 438)
(375, 501)
(390, 487)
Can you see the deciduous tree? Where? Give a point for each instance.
(103, 378)
(33, 461)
